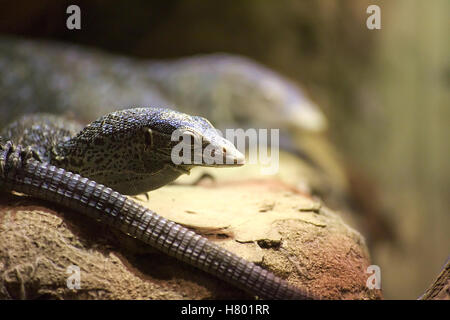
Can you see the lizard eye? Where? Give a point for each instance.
(148, 136)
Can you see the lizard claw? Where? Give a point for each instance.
(12, 157)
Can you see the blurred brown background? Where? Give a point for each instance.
(385, 92)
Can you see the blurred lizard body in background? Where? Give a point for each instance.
(228, 89)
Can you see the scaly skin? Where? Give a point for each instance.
(28, 169)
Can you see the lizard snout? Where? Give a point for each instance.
(232, 156)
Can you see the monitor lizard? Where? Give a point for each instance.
(127, 152)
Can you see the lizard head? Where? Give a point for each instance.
(197, 143)
(141, 149)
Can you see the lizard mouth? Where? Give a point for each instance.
(236, 158)
(224, 156)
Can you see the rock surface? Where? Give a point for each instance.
(265, 221)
